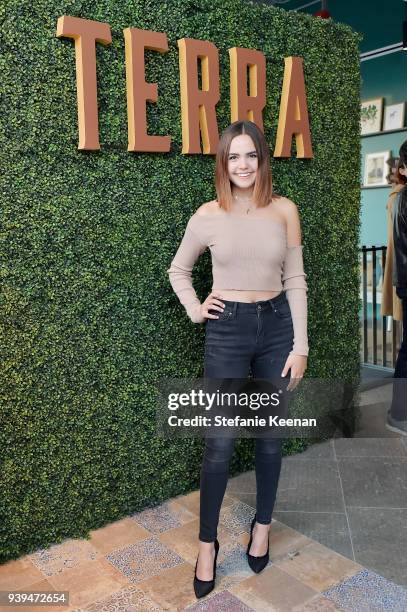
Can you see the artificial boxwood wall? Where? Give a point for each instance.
(88, 318)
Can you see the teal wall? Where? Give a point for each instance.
(381, 77)
(385, 76)
(380, 22)
(373, 201)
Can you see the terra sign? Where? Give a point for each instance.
(198, 105)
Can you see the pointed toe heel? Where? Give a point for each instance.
(257, 564)
(204, 587)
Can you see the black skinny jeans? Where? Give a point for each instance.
(399, 404)
(247, 336)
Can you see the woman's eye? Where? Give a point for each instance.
(234, 157)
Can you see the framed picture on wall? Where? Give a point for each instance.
(376, 169)
(394, 116)
(371, 113)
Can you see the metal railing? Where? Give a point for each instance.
(380, 342)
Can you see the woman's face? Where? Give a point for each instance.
(403, 169)
(242, 161)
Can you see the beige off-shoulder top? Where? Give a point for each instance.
(248, 253)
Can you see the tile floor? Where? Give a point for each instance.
(337, 542)
(145, 563)
(349, 495)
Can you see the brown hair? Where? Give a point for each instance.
(401, 179)
(263, 187)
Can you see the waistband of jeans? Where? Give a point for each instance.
(255, 307)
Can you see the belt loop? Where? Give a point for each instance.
(270, 301)
(234, 308)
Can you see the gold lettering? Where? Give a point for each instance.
(86, 34)
(139, 92)
(293, 117)
(243, 105)
(198, 113)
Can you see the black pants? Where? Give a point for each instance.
(254, 337)
(399, 403)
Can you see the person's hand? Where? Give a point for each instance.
(212, 302)
(297, 364)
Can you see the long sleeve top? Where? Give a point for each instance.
(391, 303)
(400, 242)
(248, 253)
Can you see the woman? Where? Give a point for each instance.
(397, 415)
(255, 315)
(391, 304)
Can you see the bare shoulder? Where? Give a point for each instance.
(286, 207)
(289, 211)
(208, 208)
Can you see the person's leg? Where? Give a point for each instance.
(401, 363)
(214, 477)
(275, 341)
(228, 353)
(398, 411)
(268, 468)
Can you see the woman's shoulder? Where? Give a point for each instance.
(285, 209)
(208, 208)
(283, 204)
(198, 223)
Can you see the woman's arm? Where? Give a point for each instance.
(294, 279)
(180, 273)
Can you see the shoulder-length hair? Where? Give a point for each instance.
(403, 192)
(263, 187)
(401, 179)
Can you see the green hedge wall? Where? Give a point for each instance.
(88, 317)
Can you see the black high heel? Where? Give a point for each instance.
(257, 564)
(203, 587)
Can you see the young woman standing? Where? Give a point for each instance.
(391, 303)
(255, 315)
(397, 415)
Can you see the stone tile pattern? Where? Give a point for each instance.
(144, 559)
(130, 598)
(314, 577)
(367, 591)
(221, 602)
(232, 565)
(237, 518)
(319, 604)
(328, 528)
(166, 516)
(69, 554)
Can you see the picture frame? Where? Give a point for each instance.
(371, 114)
(376, 169)
(394, 116)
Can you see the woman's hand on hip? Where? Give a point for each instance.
(297, 364)
(212, 302)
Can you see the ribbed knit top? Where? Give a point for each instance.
(248, 253)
